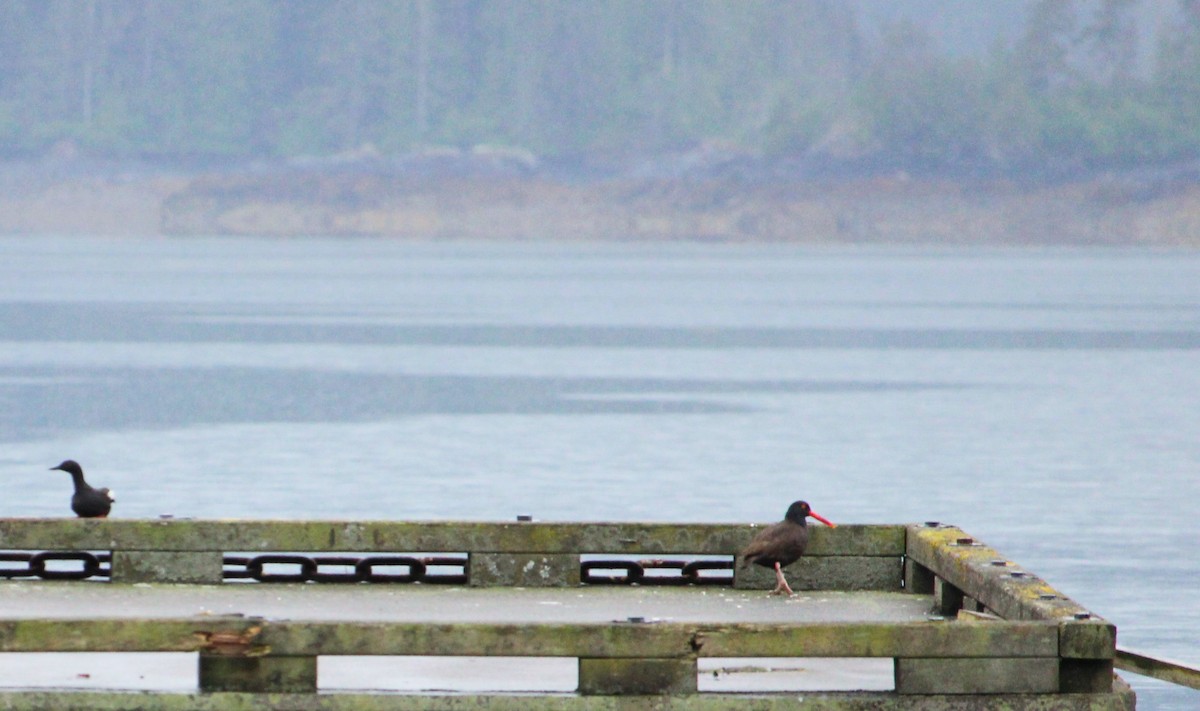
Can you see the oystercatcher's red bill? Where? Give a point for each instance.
(822, 519)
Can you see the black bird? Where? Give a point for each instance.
(782, 544)
(87, 502)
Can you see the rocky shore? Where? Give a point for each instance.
(508, 198)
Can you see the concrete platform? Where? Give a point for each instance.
(522, 632)
(175, 672)
(423, 604)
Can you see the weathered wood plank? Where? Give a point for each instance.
(424, 536)
(286, 637)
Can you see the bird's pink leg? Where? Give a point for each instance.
(781, 584)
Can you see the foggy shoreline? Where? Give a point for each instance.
(505, 197)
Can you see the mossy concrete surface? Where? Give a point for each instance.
(995, 675)
(426, 536)
(966, 569)
(204, 567)
(628, 639)
(527, 570)
(841, 572)
(983, 574)
(986, 575)
(258, 674)
(439, 604)
(1121, 699)
(608, 677)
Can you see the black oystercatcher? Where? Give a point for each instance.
(783, 544)
(87, 501)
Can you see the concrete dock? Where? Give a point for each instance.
(345, 615)
(176, 672)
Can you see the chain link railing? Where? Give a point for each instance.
(92, 565)
(297, 568)
(315, 569)
(637, 572)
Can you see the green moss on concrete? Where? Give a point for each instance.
(1087, 639)
(915, 639)
(638, 676)
(567, 640)
(1120, 700)
(115, 635)
(448, 536)
(664, 639)
(972, 569)
(828, 572)
(524, 570)
(977, 676)
(200, 567)
(273, 674)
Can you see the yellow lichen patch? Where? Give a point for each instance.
(984, 575)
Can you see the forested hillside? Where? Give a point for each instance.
(1074, 88)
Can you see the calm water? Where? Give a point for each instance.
(1046, 401)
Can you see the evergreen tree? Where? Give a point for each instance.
(253, 78)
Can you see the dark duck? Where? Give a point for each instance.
(782, 544)
(87, 502)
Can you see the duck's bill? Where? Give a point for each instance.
(822, 519)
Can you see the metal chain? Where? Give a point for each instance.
(692, 572)
(303, 569)
(634, 572)
(309, 569)
(91, 565)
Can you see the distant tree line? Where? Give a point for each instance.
(243, 79)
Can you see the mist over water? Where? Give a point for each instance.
(1041, 399)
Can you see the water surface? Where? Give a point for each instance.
(1044, 400)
